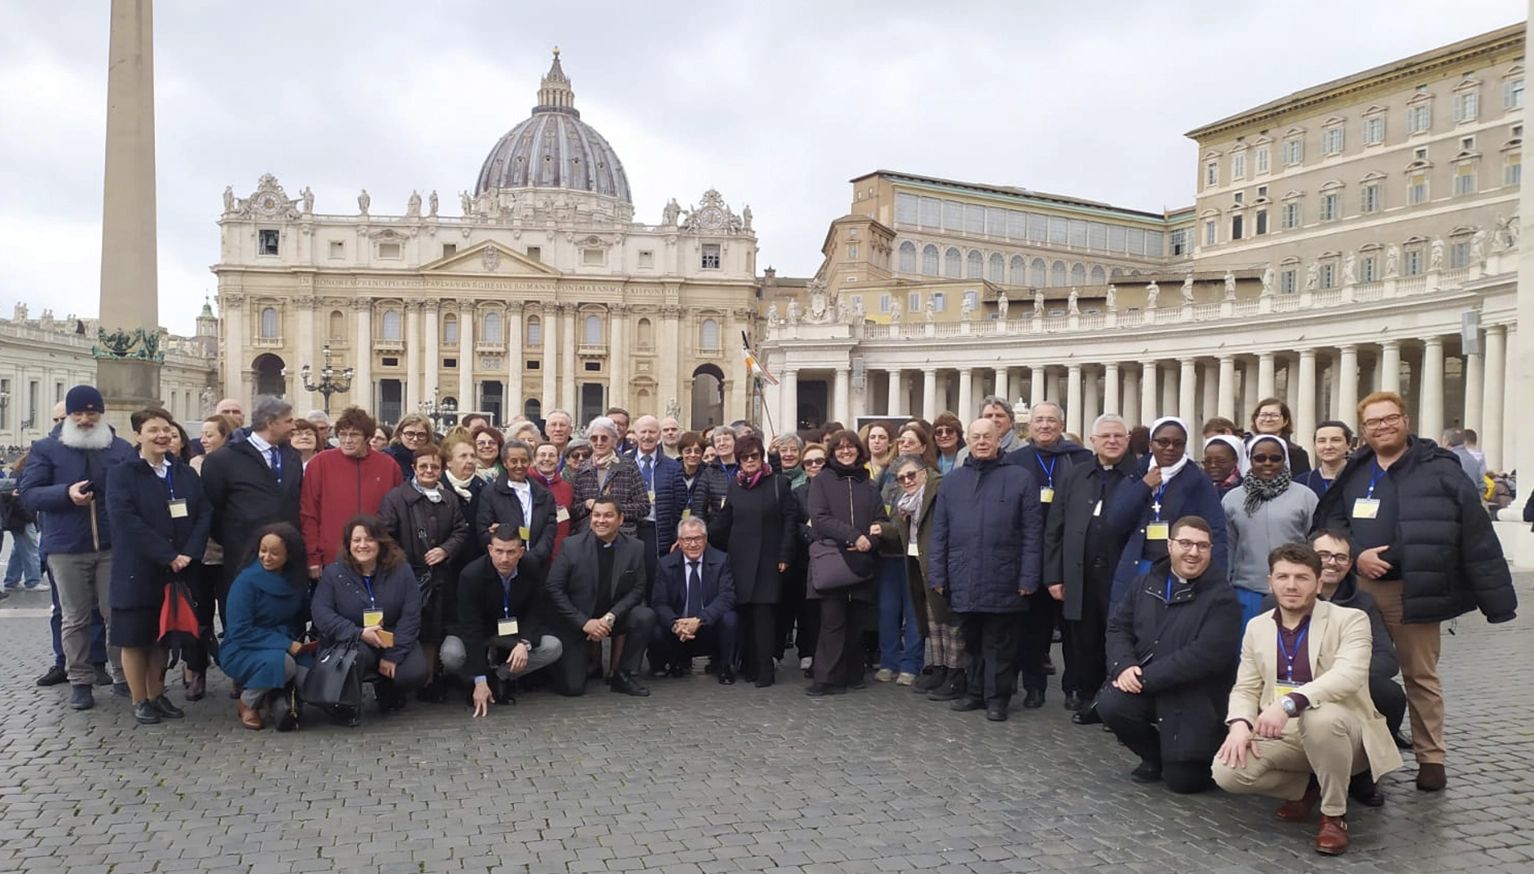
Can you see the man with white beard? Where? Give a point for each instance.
(64, 482)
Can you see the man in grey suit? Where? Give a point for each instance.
(596, 590)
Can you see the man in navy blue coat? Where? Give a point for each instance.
(694, 602)
(986, 554)
(657, 530)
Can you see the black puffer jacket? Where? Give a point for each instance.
(1450, 559)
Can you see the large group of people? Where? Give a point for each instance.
(1235, 620)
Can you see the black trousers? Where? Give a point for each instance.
(1389, 700)
(715, 641)
(208, 595)
(410, 673)
(570, 671)
(1087, 657)
(790, 612)
(646, 532)
(991, 643)
(1133, 720)
(839, 646)
(758, 627)
(1038, 630)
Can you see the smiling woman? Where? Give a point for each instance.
(1268, 511)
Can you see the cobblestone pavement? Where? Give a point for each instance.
(703, 778)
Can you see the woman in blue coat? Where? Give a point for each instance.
(1168, 487)
(268, 609)
(156, 507)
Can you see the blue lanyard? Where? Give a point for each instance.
(729, 469)
(506, 595)
(1373, 480)
(1298, 642)
(368, 581)
(1049, 472)
(1169, 578)
(1156, 501)
(170, 480)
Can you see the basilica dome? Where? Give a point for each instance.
(554, 149)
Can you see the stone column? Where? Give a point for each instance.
(966, 390)
(617, 359)
(929, 404)
(1266, 385)
(549, 322)
(1249, 395)
(1035, 384)
(1347, 385)
(1390, 365)
(130, 284)
(515, 393)
(1430, 423)
(1209, 390)
(362, 381)
(788, 402)
(432, 364)
(465, 398)
(1227, 402)
(1187, 395)
(843, 396)
(568, 397)
(1475, 386)
(1131, 397)
(1305, 398)
(1168, 394)
(1333, 370)
(1111, 387)
(670, 338)
(1089, 402)
(894, 401)
(231, 309)
(1004, 384)
(1490, 429)
(1148, 399)
(304, 344)
(1073, 398)
(413, 378)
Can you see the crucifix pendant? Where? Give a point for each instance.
(1156, 508)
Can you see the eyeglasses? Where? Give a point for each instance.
(817, 461)
(1167, 443)
(907, 477)
(1194, 545)
(1114, 436)
(1270, 415)
(578, 456)
(1337, 557)
(1389, 421)
(695, 538)
(413, 435)
(1045, 420)
(944, 430)
(1265, 459)
(599, 438)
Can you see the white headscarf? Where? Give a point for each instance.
(1169, 472)
(1242, 463)
(1258, 438)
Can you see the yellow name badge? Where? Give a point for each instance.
(1046, 495)
(651, 493)
(1282, 689)
(563, 515)
(178, 509)
(1366, 508)
(686, 513)
(912, 550)
(506, 627)
(371, 618)
(1158, 531)
(524, 533)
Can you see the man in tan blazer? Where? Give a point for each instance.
(1301, 703)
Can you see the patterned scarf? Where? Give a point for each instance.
(1259, 492)
(433, 494)
(909, 506)
(750, 480)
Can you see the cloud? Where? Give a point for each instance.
(776, 105)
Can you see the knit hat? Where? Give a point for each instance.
(84, 399)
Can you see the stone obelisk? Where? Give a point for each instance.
(128, 350)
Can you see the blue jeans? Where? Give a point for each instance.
(22, 566)
(1251, 604)
(897, 613)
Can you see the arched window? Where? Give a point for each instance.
(1117, 272)
(997, 271)
(337, 325)
(647, 333)
(1057, 274)
(450, 328)
(534, 331)
(710, 338)
(1098, 276)
(908, 257)
(593, 332)
(974, 266)
(953, 264)
(492, 327)
(1019, 270)
(269, 326)
(1078, 275)
(929, 260)
(1040, 277)
(391, 329)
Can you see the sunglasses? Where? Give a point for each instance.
(755, 456)
(1164, 443)
(907, 477)
(1265, 459)
(814, 462)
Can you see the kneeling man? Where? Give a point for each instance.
(1301, 703)
(694, 601)
(500, 621)
(1169, 645)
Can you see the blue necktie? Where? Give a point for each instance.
(276, 462)
(649, 478)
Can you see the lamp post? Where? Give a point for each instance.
(438, 413)
(331, 382)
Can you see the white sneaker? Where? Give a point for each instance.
(884, 675)
(806, 663)
(905, 679)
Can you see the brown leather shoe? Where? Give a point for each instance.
(250, 717)
(1430, 777)
(1332, 839)
(1299, 811)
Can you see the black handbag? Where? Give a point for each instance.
(833, 567)
(335, 680)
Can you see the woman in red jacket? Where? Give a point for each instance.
(350, 480)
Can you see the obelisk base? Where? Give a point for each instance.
(128, 385)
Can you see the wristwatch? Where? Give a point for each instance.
(1289, 706)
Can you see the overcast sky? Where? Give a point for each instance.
(775, 104)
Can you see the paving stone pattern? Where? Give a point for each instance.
(699, 779)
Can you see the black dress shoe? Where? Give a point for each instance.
(765, 680)
(627, 684)
(996, 712)
(55, 676)
(1033, 699)
(676, 672)
(726, 677)
(1402, 742)
(1087, 715)
(102, 677)
(145, 713)
(1365, 791)
(1073, 701)
(1148, 772)
(168, 709)
(820, 690)
(931, 678)
(965, 704)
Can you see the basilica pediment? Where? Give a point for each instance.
(490, 257)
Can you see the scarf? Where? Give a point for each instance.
(1168, 472)
(909, 506)
(433, 494)
(605, 463)
(461, 486)
(488, 474)
(1259, 492)
(858, 472)
(748, 481)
